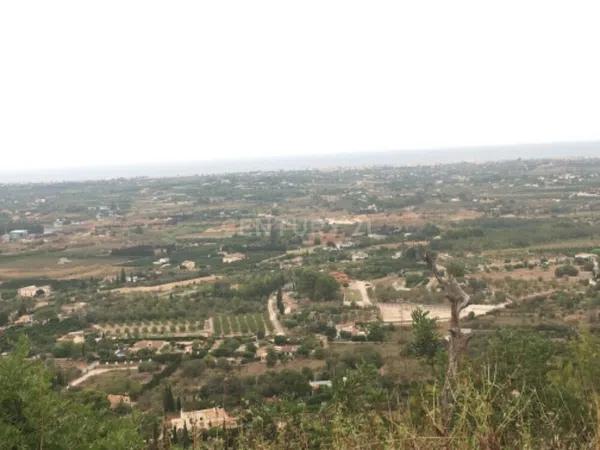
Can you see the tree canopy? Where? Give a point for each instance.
(33, 415)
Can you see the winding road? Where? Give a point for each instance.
(98, 371)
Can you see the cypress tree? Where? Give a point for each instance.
(186, 437)
(168, 400)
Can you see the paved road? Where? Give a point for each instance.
(272, 307)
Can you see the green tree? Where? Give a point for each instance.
(271, 357)
(185, 437)
(280, 306)
(376, 333)
(193, 368)
(456, 269)
(168, 400)
(425, 339)
(34, 416)
(316, 285)
(566, 270)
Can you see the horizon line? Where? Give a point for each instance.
(350, 159)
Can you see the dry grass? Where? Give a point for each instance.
(166, 287)
(258, 368)
(46, 266)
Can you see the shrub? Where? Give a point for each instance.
(566, 270)
(193, 368)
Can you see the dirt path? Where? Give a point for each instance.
(165, 287)
(401, 312)
(98, 371)
(272, 307)
(543, 294)
(361, 286)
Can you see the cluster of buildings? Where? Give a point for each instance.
(203, 419)
(286, 350)
(349, 329)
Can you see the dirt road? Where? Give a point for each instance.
(165, 287)
(272, 307)
(98, 371)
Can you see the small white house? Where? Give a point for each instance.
(16, 235)
(359, 256)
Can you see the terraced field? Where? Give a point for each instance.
(150, 328)
(244, 324)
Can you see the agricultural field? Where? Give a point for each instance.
(240, 290)
(242, 325)
(155, 329)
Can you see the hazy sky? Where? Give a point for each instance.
(112, 82)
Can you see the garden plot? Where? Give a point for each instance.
(241, 325)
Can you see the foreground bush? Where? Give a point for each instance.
(33, 416)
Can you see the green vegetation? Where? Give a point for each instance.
(566, 270)
(316, 286)
(137, 267)
(426, 341)
(33, 415)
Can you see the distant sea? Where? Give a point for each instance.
(330, 161)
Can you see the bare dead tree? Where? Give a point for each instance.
(457, 341)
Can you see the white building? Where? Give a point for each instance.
(204, 419)
(229, 258)
(16, 235)
(187, 265)
(359, 256)
(34, 291)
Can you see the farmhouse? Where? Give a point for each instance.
(187, 265)
(34, 291)
(204, 419)
(186, 347)
(359, 256)
(317, 385)
(584, 257)
(16, 235)
(229, 258)
(349, 329)
(116, 400)
(287, 350)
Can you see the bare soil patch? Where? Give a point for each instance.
(166, 287)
